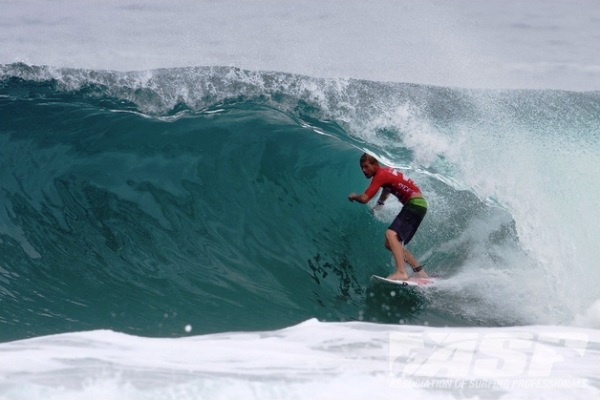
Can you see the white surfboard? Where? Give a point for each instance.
(375, 279)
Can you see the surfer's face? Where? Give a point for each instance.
(368, 169)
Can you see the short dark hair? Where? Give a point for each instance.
(368, 158)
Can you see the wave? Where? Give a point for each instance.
(216, 197)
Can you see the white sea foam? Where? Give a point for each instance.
(311, 360)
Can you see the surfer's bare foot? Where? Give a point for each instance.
(397, 276)
(421, 275)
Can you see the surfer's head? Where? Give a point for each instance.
(369, 165)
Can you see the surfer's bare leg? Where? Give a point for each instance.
(410, 259)
(395, 246)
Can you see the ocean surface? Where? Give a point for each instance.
(180, 228)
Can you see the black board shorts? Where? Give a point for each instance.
(408, 220)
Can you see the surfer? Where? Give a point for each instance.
(404, 226)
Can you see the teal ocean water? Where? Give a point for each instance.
(207, 200)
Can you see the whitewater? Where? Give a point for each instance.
(174, 180)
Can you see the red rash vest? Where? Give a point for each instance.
(392, 180)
